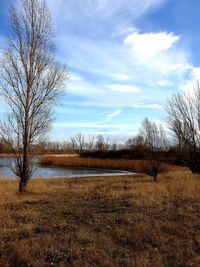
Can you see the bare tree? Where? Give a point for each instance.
(183, 111)
(113, 146)
(78, 142)
(31, 82)
(90, 142)
(135, 142)
(101, 144)
(154, 139)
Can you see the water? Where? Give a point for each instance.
(58, 172)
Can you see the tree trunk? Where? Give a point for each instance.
(155, 178)
(22, 185)
(26, 164)
(25, 174)
(25, 167)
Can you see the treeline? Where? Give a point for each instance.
(79, 144)
(97, 147)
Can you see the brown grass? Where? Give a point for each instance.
(6, 155)
(115, 221)
(122, 164)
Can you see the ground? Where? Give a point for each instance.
(111, 222)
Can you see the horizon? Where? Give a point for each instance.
(125, 58)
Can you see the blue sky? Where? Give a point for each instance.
(126, 58)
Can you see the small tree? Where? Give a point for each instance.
(154, 140)
(31, 82)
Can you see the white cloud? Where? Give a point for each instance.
(148, 45)
(189, 85)
(154, 106)
(90, 125)
(81, 87)
(120, 77)
(124, 88)
(114, 114)
(103, 10)
(124, 31)
(164, 83)
(75, 77)
(195, 73)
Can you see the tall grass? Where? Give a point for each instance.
(115, 164)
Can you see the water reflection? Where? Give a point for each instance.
(57, 172)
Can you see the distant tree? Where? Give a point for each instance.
(90, 143)
(78, 142)
(31, 82)
(154, 139)
(134, 142)
(102, 144)
(107, 143)
(4, 148)
(114, 146)
(183, 111)
(99, 143)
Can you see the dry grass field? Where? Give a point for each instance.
(111, 222)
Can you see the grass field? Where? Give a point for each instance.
(115, 221)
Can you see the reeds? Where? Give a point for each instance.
(114, 164)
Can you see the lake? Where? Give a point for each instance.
(58, 172)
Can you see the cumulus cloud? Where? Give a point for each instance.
(159, 53)
(145, 46)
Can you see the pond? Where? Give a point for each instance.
(58, 172)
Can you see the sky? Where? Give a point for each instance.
(126, 58)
